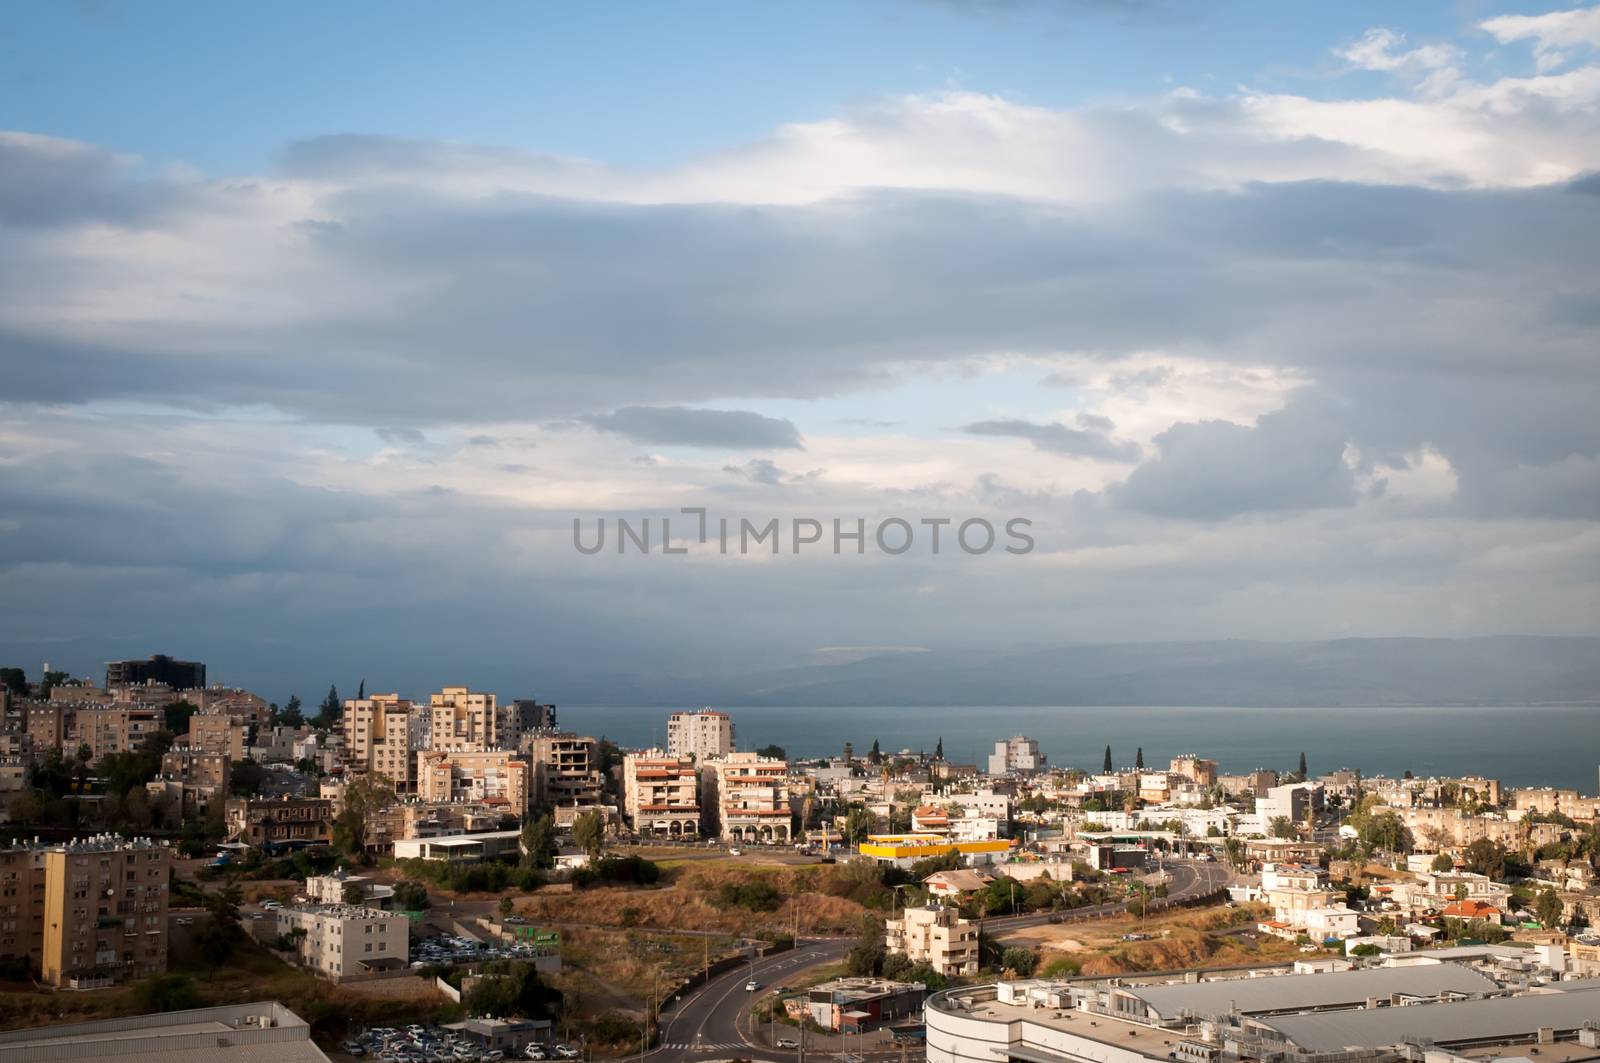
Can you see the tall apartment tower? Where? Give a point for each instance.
(464, 721)
(377, 737)
(699, 736)
(105, 912)
(179, 675)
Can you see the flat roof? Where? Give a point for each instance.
(1295, 992)
(1496, 1020)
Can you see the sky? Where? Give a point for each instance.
(322, 325)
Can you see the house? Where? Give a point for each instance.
(855, 1004)
(1470, 909)
(946, 884)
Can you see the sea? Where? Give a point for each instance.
(1521, 745)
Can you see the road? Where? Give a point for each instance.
(713, 1022)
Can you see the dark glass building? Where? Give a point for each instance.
(179, 675)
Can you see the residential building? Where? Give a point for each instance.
(22, 892)
(566, 771)
(231, 1033)
(377, 738)
(285, 821)
(230, 701)
(699, 736)
(179, 675)
(224, 733)
(343, 941)
(522, 717)
(46, 724)
(116, 729)
(661, 794)
(460, 719)
(105, 912)
(332, 888)
(1017, 755)
(200, 777)
(500, 777)
(751, 796)
(935, 935)
(1195, 768)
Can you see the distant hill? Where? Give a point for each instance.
(1510, 670)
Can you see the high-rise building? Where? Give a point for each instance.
(566, 768)
(699, 736)
(1017, 755)
(750, 795)
(523, 717)
(500, 777)
(105, 912)
(464, 720)
(661, 794)
(378, 737)
(179, 675)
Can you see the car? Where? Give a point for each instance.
(534, 1052)
(354, 1048)
(567, 1052)
(788, 1042)
(185, 920)
(751, 986)
(735, 852)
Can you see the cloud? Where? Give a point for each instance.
(1212, 470)
(1090, 441)
(1556, 35)
(402, 437)
(684, 427)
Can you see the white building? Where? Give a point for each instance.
(345, 941)
(935, 935)
(1017, 755)
(699, 736)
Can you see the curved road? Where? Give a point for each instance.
(707, 1024)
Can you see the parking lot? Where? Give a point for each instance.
(446, 950)
(435, 1044)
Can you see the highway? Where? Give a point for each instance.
(713, 1022)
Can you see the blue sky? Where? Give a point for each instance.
(322, 323)
(225, 86)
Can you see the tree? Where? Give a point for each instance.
(363, 795)
(1485, 857)
(1442, 862)
(1549, 908)
(938, 750)
(539, 841)
(511, 988)
(222, 930)
(589, 833)
(1138, 758)
(411, 896)
(361, 691)
(1020, 960)
(772, 751)
(328, 712)
(508, 907)
(176, 714)
(353, 893)
(166, 992)
(858, 824)
(1385, 831)
(875, 755)
(1302, 770)
(1107, 766)
(14, 680)
(291, 716)
(1281, 827)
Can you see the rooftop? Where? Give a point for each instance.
(1298, 992)
(1497, 1020)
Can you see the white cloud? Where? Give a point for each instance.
(1556, 35)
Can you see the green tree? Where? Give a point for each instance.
(222, 930)
(1138, 758)
(14, 680)
(589, 833)
(508, 907)
(411, 896)
(364, 795)
(512, 988)
(1281, 827)
(353, 893)
(1485, 857)
(165, 992)
(772, 751)
(1301, 771)
(858, 824)
(1020, 960)
(291, 716)
(539, 842)
(1442, 862)
(875, 755)
(329, 711)
(1106, 766)
(938, 750)
(1549, 908)
(176, 714)
(1385, 831)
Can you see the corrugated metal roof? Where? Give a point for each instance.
(1296, 992)
(1497, 1019)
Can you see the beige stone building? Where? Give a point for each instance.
(661, 794)
(115, 729)
(224, 733)
(935, 935)
(699, 736)
(499, 777)
(104, 912)
(751, 795)
(566, 769)
(463, 720)
(377, 738)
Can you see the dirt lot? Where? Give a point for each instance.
(1214, 937)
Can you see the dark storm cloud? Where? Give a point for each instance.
(681, 426)
(1091, 441)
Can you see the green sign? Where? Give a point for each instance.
(535, 936)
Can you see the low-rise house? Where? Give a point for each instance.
(1474, 910)
(849, 1005)
(935, 935)
(954, 884)
(343, 942)
(461, 848)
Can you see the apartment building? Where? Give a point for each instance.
(500, 777)
(460, 719)
(295, 821)
(699, 736)
(179, 675)
(104, 912)
(566, 768)
(522, 717)
(1195, 768)
(342, 941)
(115, 729)
(197, 778)
(935, 935)
(661, 794)
(230, 701)
(224, 733)
(22, 884)
(1017, 755)
(377, 738)
(751, 796)
(46, 724)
